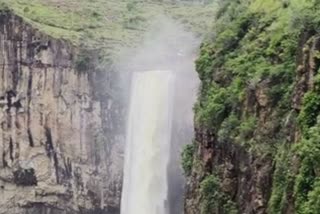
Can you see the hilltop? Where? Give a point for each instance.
(107, 24)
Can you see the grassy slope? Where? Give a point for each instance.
(108, 24)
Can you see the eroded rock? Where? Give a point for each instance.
(57, 153)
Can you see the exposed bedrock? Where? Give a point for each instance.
(57, 154)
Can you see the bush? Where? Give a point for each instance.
(247, 128)
(229, 129)
(213, 199)
(214, 109)
(310, 110)
(282, 181)
(309, 153)
(4, 7)
(26, 10)
(204, 64)
(307, 18)
(87, 60)
(132, 5)
(209, 189)
(134, 22)
(313, 204)
(83, 63)
(187, 159)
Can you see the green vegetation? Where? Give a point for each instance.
(87, 60)
(4, 7)
(311, 107)
(229, 129)
(307, 181)
(213, 199)
(107, 24)
(312, 206)
(235, 130)
(209, 190)
(306, 187)
(248, 70)
(187, 158)
(282, 180)
(246, 51)
(310, 110)
(215, 107)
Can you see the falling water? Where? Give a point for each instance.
(145, 187)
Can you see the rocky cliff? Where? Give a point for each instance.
(256, 148)
(57, 154)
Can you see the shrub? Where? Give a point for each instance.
(26, 10)
(209, 189)
(204, 65)
(88, 59)
(229, 129)
(306, 181)
(187, 159)
(312, 206)
(213, 199)
(83, 63)
(4, 7)
(307, 18)
(214, 109)
(310, 110)
(134, 22)
(282, 180)
(247, 128)
(131, 6)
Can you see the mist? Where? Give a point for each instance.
(166, 46)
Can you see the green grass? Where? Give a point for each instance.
(107, 24)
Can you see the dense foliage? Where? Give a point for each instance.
(249, 65)
(213, 199)
(187, 158)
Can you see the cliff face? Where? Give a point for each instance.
(256, 146)
(54, 154)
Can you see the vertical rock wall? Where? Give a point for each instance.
(57, 154)
(256, 152)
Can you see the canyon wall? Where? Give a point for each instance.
(257, 118)
(57, 153)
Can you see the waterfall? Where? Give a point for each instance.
(145, 186)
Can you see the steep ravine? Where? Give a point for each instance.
(54, 158)
(257, 123)
(256, 148)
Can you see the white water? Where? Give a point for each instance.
(145, 187)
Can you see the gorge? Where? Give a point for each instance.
(105, 109)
